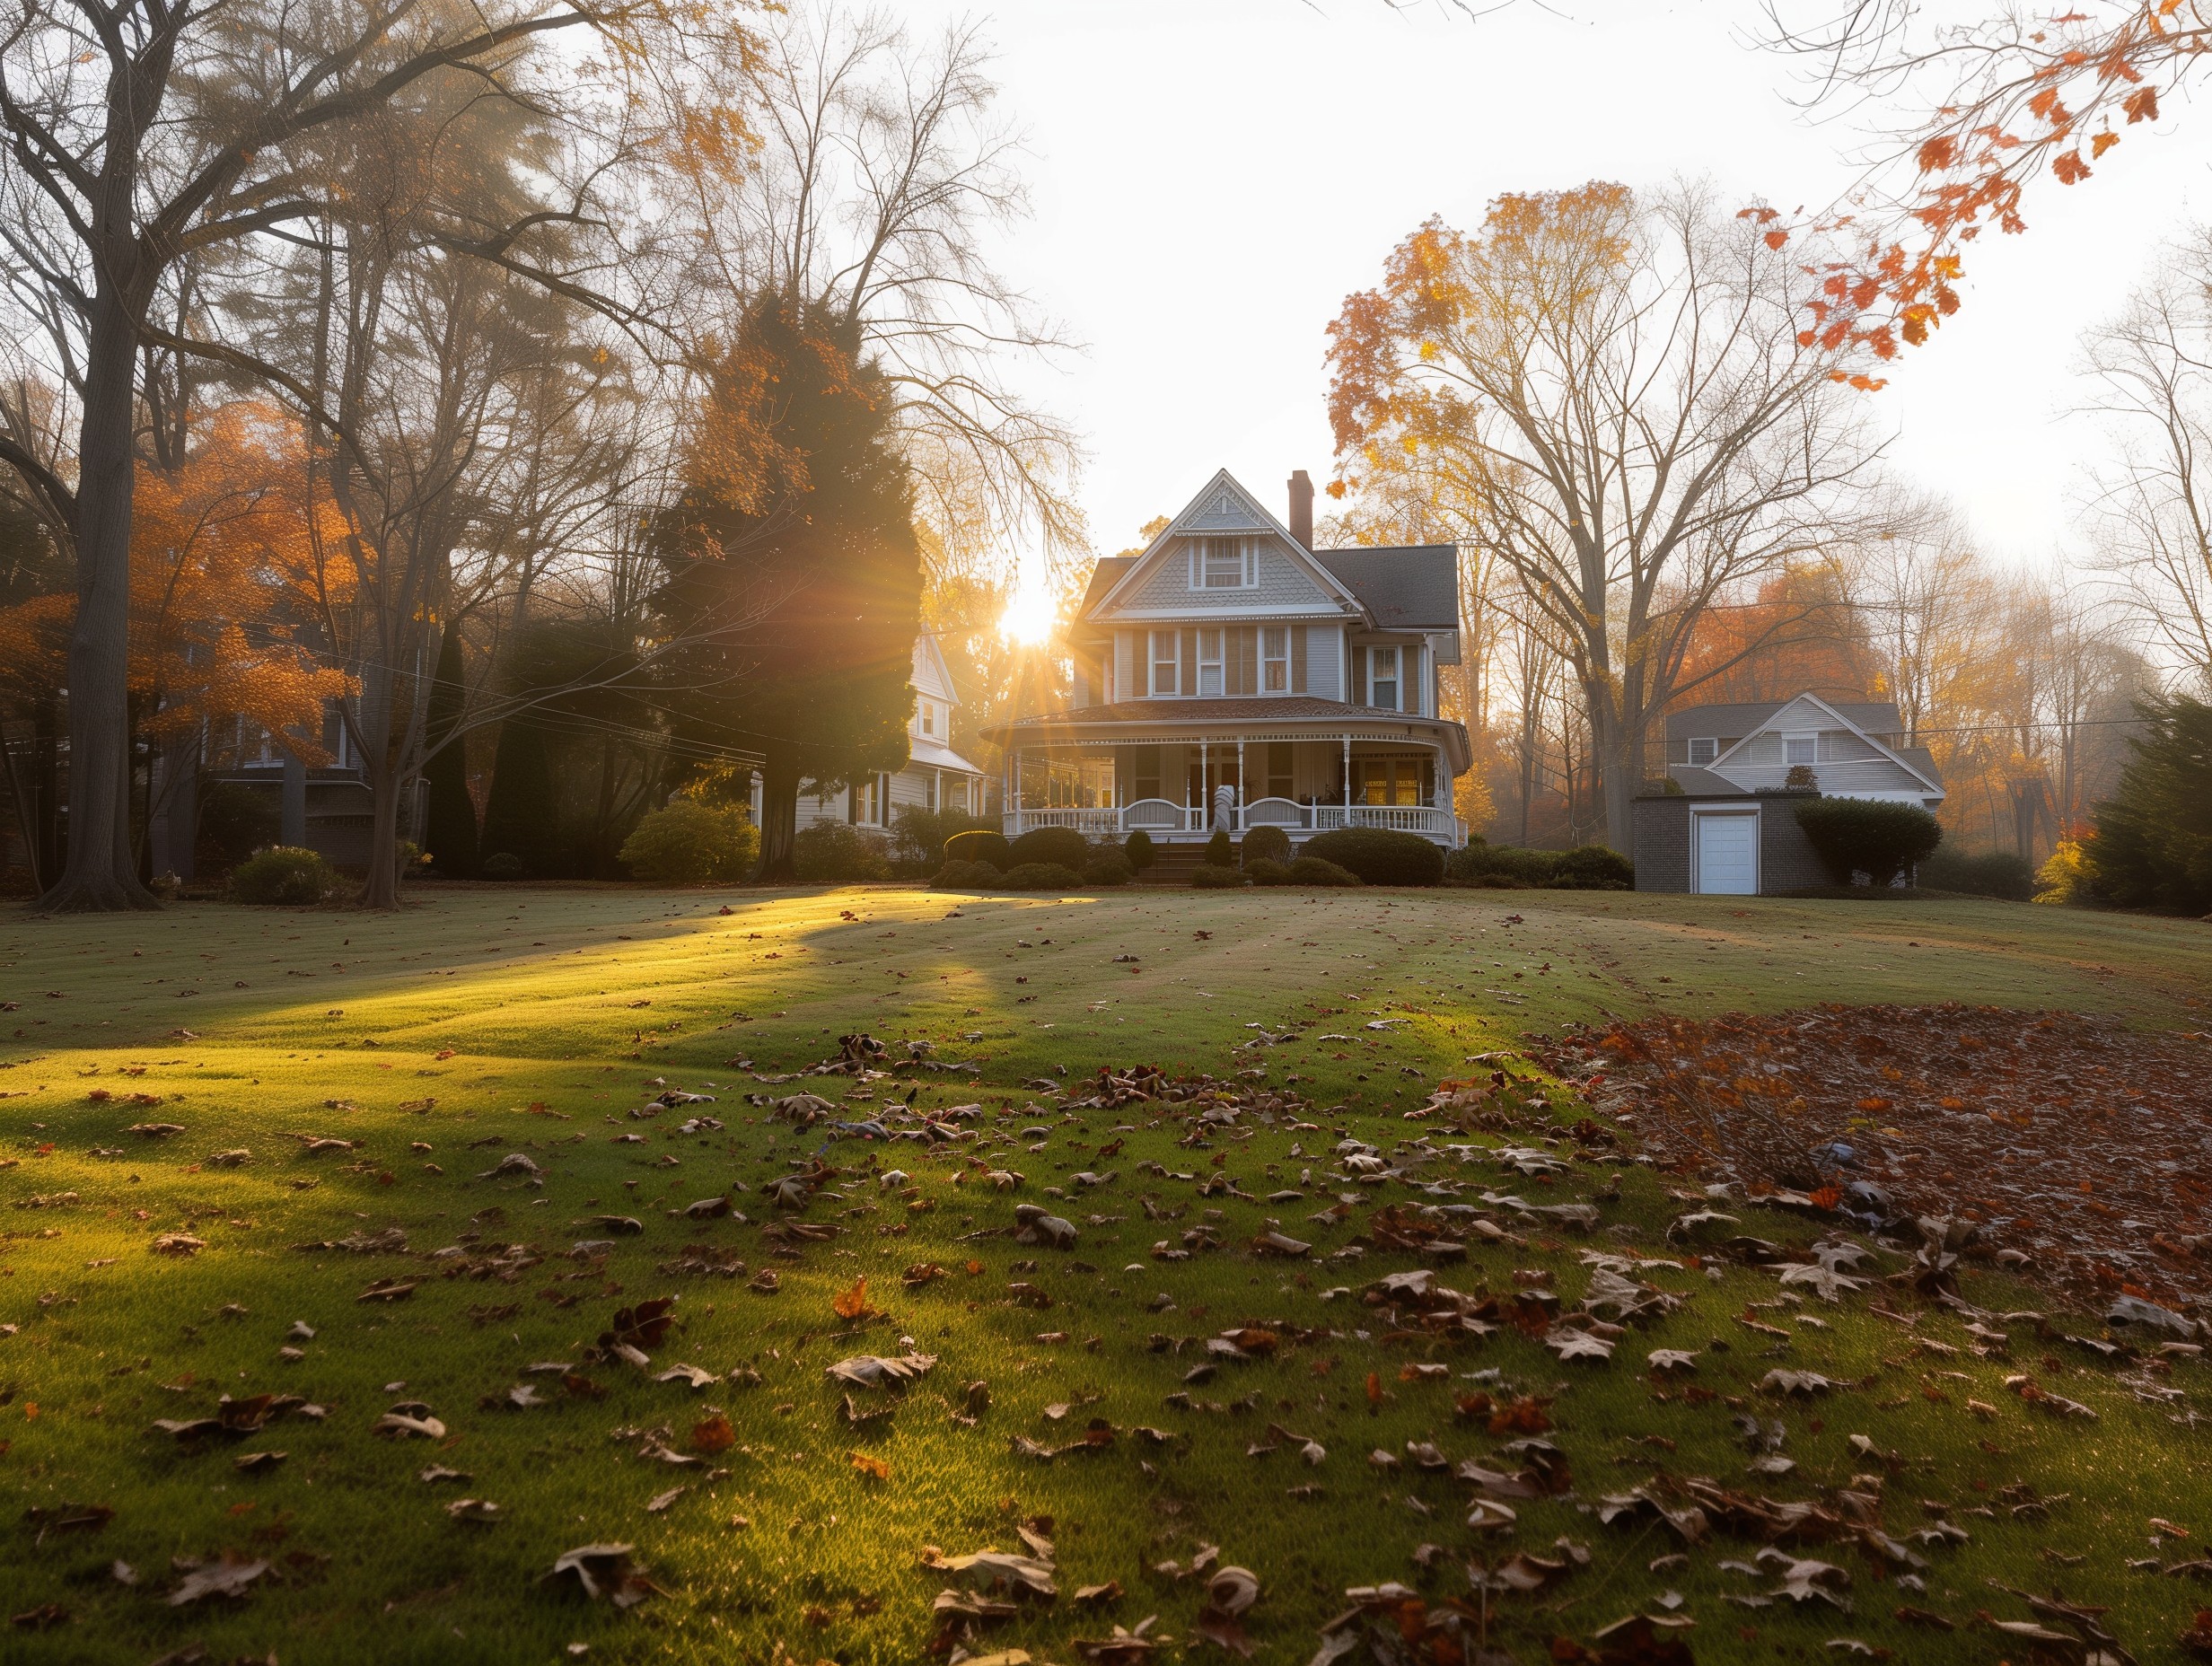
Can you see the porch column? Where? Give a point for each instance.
(1347, 780)
(1206, 804)
(1242, 797)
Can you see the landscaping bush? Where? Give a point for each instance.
(918, 837)
(2065, 881)
(1041, 876)
(1212, 876)
(1379, 855)
(1220, 851)
(1058, 846)
(1108, 867)
(830, 850)
(1867, 836)
(980, 846)
(1321, 871)
(1993, 873)
(2153, 843)
(1138, 848)
(235, 820)
(1265, 870)
(1267, 845)
(285, 876)
(1502, 867)
(501, 864)
(968, 876)
(1593, 867)
(692, 842)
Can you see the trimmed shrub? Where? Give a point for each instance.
(918, 839)
(691, 842)
(1593, 867)
(1993, 873)
(1212, 876)
(501, 864)
(968, 876)
(1041, 876)
(235, 821)
(1108, 867)
(1501, 867)
(1138, 848)
(1266, 870)
(1379, 855)
(1321, 871)
(285, 876)
(1266, 844)
(982, 845)
(1058, 846)
(1868, 835)
(1220, 850)
(830, 850)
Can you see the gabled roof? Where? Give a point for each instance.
(931, 675)
(1104, 576)
(1208, 513)
(1740, 718)
(1403, 587)
(1923, 770)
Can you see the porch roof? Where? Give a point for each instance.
(1298, 716)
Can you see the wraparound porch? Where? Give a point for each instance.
(1182, 787)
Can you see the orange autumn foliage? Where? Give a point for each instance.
(220, 558)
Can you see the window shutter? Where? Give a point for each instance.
(1247, 660)
(1297, 658)
(1360, 675)
(1409, 680)
(1190, 664)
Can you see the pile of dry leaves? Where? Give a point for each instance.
(2084, 1144)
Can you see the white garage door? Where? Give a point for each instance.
(1728, 854)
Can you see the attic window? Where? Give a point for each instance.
(1799, 749)
(1221, 564)
(1703, 750)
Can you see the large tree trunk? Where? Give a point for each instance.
(779, 817)
(450, 835)
(99, 873)
(381, 890)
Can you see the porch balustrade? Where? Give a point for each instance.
(1161, 816)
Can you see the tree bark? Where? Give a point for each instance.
(779, 817)
(99, 873)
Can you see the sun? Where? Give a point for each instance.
(1030, 616)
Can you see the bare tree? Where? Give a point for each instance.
(2152, 503)
(1619, 388)
(142, 133)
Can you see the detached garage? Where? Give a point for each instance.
(1724, 823)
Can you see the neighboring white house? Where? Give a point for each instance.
(1233, 675)
(1723, 825)
(936, 777)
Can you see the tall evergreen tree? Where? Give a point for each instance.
(2154, 844)
(793, 571)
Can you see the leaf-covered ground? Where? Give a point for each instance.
(413, 1181)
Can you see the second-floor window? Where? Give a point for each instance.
(1383, 678)
(1703, 749)
(1798, 749)
(1209, 663)
(1275, 658)
(1163, 662)
(929, 718)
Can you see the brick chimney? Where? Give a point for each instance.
(1301, 508)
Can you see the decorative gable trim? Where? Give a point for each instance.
(1224, 506)
(1769, 725)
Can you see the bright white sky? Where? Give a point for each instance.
(1212, 176)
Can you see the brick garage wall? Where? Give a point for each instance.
(1787, 859)
(1661, 837)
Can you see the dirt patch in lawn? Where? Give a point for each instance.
(2083, 1144)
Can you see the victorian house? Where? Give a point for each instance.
(1232, 675)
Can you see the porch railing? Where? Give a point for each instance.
(1163, 817)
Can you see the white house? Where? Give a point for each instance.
(1723, 823)
(1233, 675)
(934, 777)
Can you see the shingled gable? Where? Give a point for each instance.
(1221, 506)
(1771, 722)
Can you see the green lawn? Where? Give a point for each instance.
(532, 1021)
